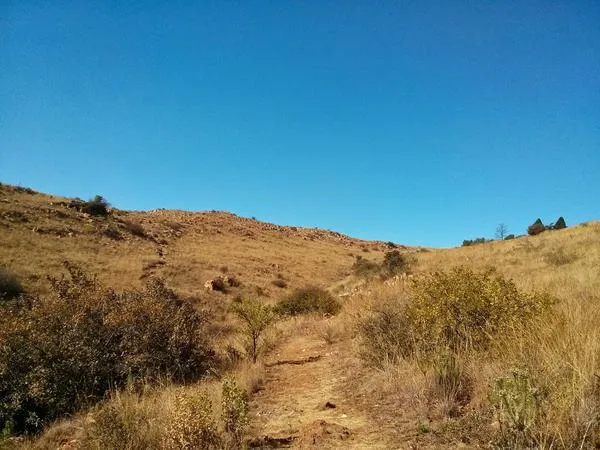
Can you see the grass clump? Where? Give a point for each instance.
(66, 350)
(10, 286)
(306, 300)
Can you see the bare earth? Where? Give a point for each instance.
(304, 403)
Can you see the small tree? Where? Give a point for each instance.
(560, 223)
(501, 231)
(256, 317)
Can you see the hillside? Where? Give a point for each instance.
(495, 345)
(40, 231)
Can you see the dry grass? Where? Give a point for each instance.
(39, 232)
(559, 355)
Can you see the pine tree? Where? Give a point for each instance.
(560, 223)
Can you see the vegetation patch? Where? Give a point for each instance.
(10, 286)
(306, 300)
(459, 310)
(63, 351)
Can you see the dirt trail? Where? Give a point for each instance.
(303, 403)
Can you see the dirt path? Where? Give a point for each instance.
(303, 404)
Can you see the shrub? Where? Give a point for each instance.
(464, 310)
(309, 299)
(386, 335)
(393, 262)
(536, 228)
(234, 412)
(191, 424)
(469, 242)
(97, 206)
(457, 311)
(65, 350)
(257, 317)
(233, 281)
(509, 237)
(10, 287)
(362, 267)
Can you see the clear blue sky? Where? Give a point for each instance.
(413, 121)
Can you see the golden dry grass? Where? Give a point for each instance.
(560, 354)
(186, 248)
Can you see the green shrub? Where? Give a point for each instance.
(457, 311)
(67, 349)
(362, 267)
(464, 310)
(306, 300)
(256, 317)
(10, 287)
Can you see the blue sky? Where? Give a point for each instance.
(413, 121)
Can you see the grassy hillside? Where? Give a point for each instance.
(495, 345)
(39, 232)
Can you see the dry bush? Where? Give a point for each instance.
(191, 424)
(333, 331)
(234, 412)
(66, 350)
(307, 300)
(136, 229)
